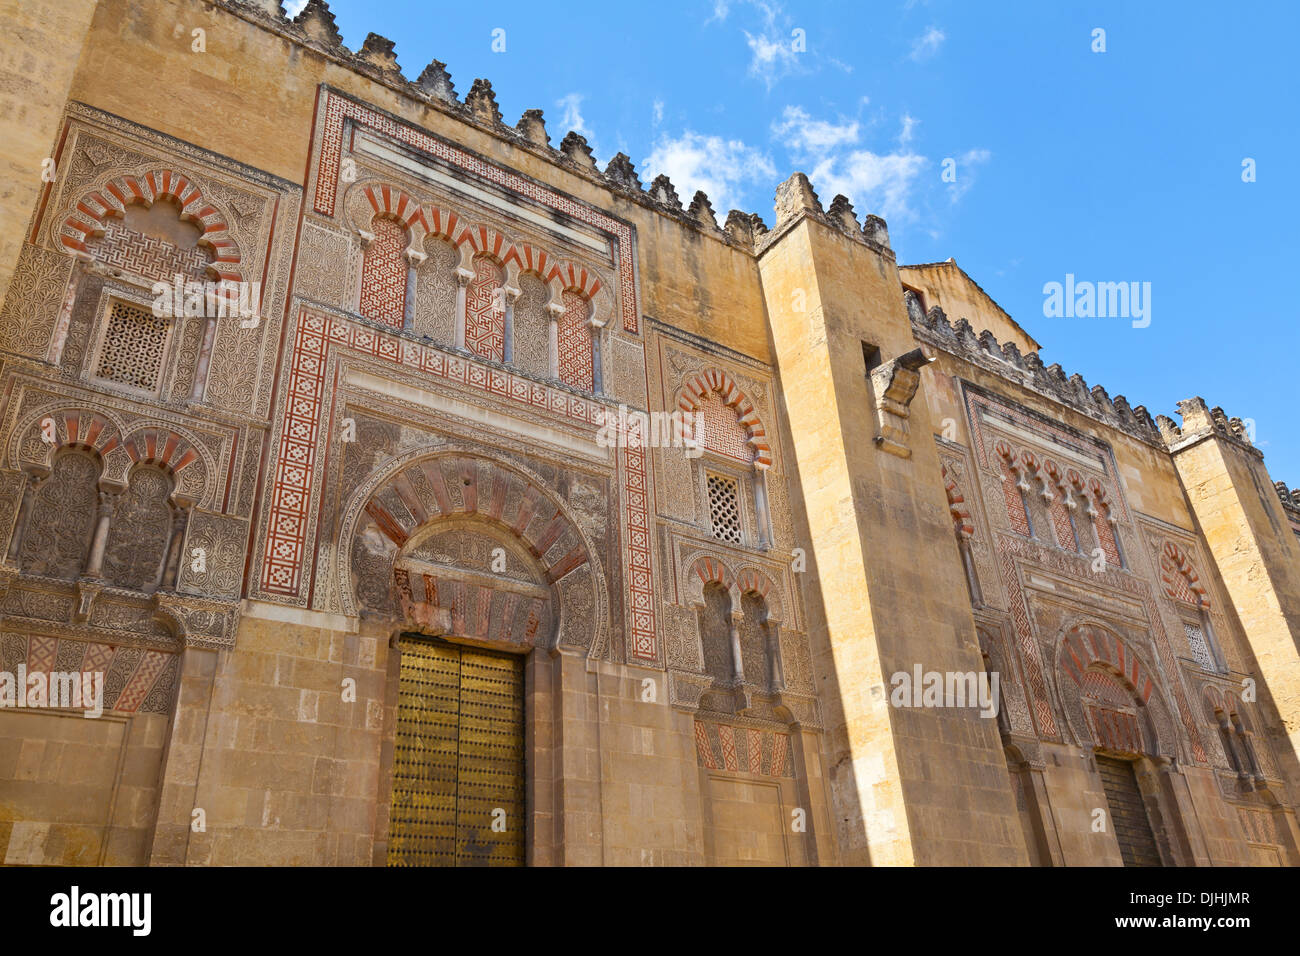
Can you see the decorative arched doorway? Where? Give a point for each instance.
(487, 579)
(1115, 709)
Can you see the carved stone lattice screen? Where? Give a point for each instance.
(724, 508)
(132, 351)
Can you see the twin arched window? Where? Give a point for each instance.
(75, 528)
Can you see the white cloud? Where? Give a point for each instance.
(571, 118)
(805, 135)
(880, 184)
(658, 112)
(773, 56)
(720, 167)
(967, 163)
(874, 182)
(294, 7)
(910, 123)
(927, 44)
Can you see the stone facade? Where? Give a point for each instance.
(237, 517)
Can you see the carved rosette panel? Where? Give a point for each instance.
(35, 297)
(222, 540)
(320, 275)
(531, 324)
(436, 292)
(141, 531)
(57, 539)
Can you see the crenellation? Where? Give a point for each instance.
(533, 128)
(875, 230)
(701, 210)
(271, 8)
(663, 192)
(622, 174)
(574, 148)
(1050, 380)
(482, 103)
(378, 52)
(435, 81)
(794, 198)
(841, 213)
(317, 23)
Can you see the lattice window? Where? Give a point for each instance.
(132, 350)
(724, 508)
(1200, 646)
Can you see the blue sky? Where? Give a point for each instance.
(1117, 166)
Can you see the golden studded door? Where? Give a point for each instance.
(458, 764)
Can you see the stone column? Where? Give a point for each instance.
(511, 294)
(30, 487)
(204, 363)
(170, 569)
(178, 798)
(103, 521)
(554, 310)
(597, 374)
(774, 654)
(463, 278)
(1040, 807)
(414, 258)
(760, 507)
(733, 632)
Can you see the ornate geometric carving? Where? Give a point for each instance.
(485, 310)
(318, 275)
(384, 272)
(435, 293)
(723, 428)
(724, 513)
(574, 335)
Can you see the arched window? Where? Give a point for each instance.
(721, 420)
(1035, 495)
(1104, 526)
(140, 533)
(758, 644)
(385, 274)
(715, 634)
(57, 539)
(1241, 728)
